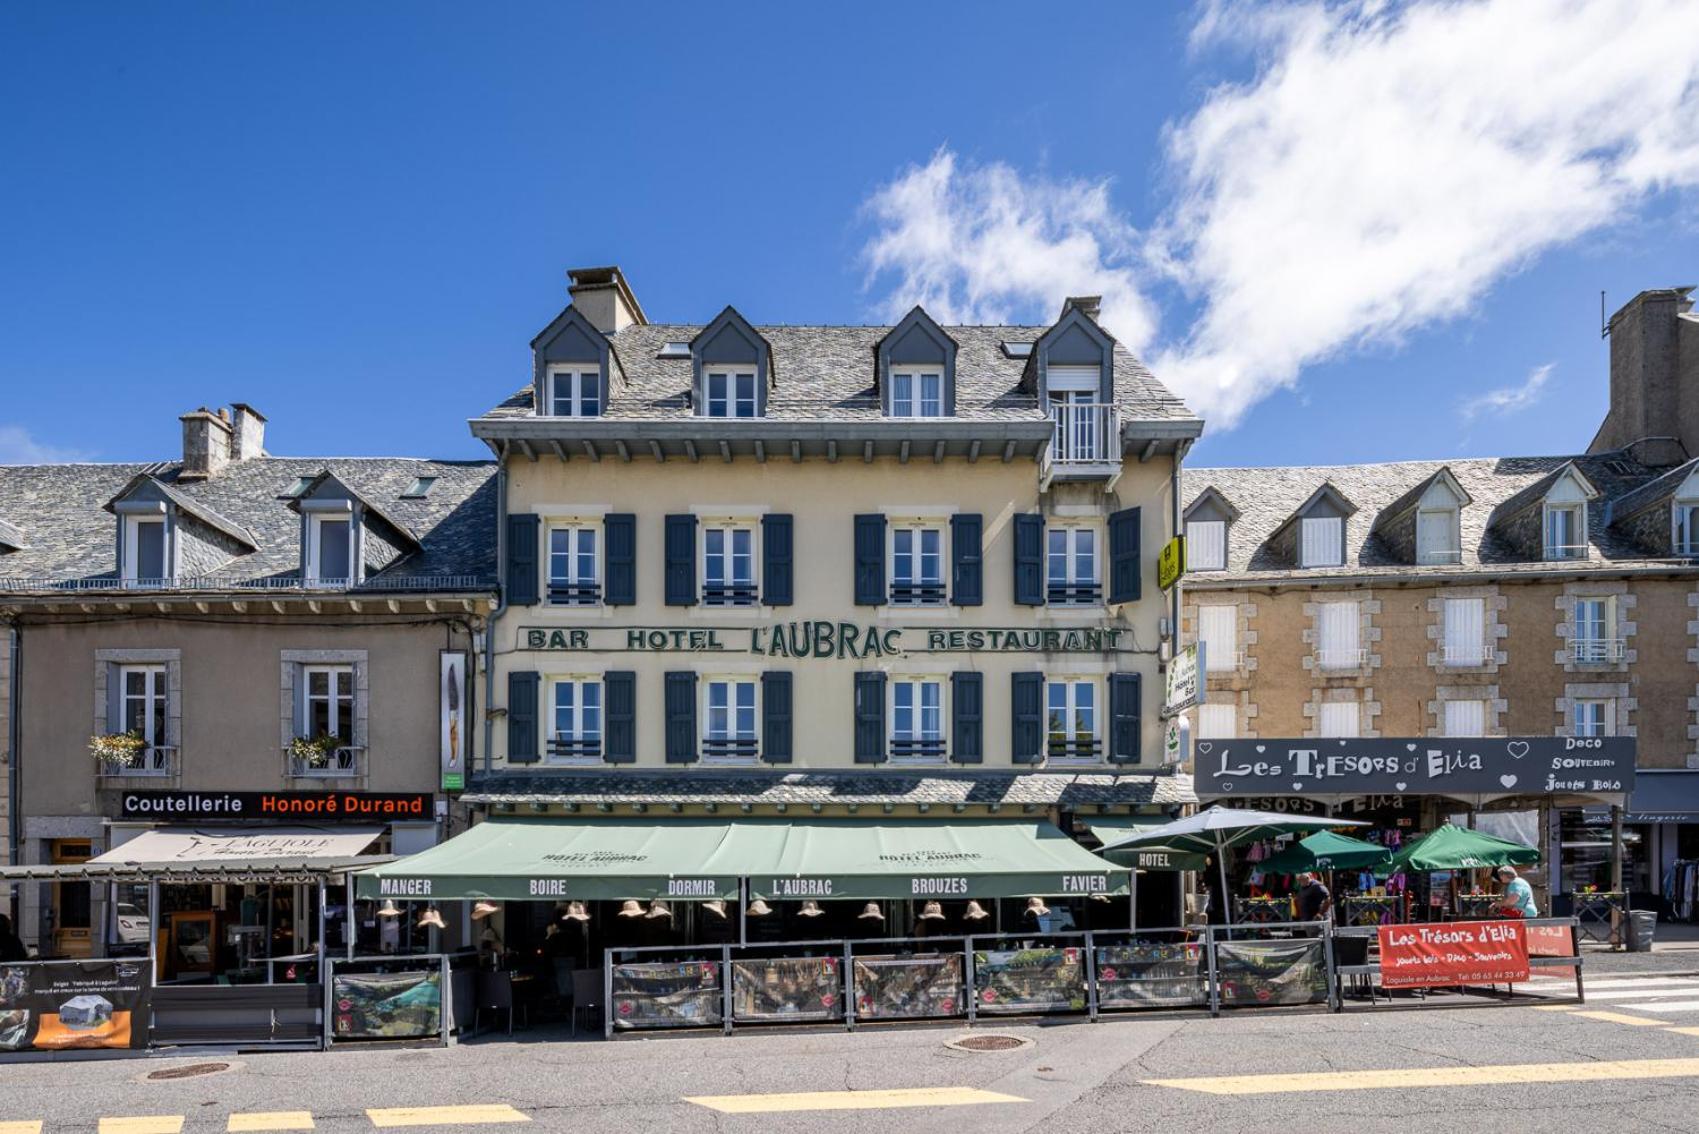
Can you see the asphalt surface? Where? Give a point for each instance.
(1075, 1076)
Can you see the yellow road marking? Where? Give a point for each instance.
(1677, 1031)
(20, 1127)
(271, 1120)
(143, 1124)
(446, 1115)
(1623, 1018)
(851, 1100)
(1401, 1078)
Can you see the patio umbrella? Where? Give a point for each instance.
(1458, 848)
(1325, 850)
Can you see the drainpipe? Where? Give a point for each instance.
(495, 613)
(14, 730)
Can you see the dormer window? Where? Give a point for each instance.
(1437, 539)
(1207, 518)
(917, 393)
(1565, 531)
(574, 390)
(146, 558)
(1684, 535)
(731, 393)
(570, 366)
(731, 368)
(1322, 541)
(915, 369)
(330, 549)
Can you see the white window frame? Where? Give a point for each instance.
(1465, 717)
(1078, 586)
(1328, 724)
(1221, 647)
(1459, 648)
(578, 736)
(1583, 709)
(1344, 616)
(1578, 546)
(1202, 538)
(728, 746)
(1218, 720)
(917, 529)
(339, 689)
(130, 568)
(728, 530)
(1684, 527)
(921, 747)
(573, 374)
(732, 399)
(917, 393)
(1593, 641)
(1452, 552)
(156, 726)
(1074, 690)
(1309, 524)
(580, 589)
(315, 526)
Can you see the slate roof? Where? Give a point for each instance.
(1066, 790)
(827, 373)
(1267, 497)
(58, 511)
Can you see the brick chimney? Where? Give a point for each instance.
(1654, 379)
(211, 440)
(248, 439)
(602, 296)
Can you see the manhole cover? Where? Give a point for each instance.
(989, 1042)
(189, 1071)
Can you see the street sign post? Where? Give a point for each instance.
(1185, 684)
(1171, 563)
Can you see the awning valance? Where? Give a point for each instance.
(220, 854)
(519, 860)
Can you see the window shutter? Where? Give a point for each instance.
(1465, 631)
(1029, 560)
(619, 559)
(681, 717)
(619, 710)
(1206, 545)
(522, 560)
(776, 716)
(1339, 625)
(1026, 718)
(870, 718)
(681, 560)
(1218, 630)
(967, 576)
(522, 716)
(1323, 541)
(115, 697)
(776, 559)
(967, 707)
(298, 698)
(1125, 569)
(870, 560)
(1125, 735)
(1465, 718)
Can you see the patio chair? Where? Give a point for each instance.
(586, 994)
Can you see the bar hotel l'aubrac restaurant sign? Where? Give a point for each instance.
(823, 638)
(1534, 765)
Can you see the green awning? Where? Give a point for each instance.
(1107, 829)
(545, 860)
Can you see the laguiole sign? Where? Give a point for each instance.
(822, 638)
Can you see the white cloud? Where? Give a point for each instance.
(1507, 399)
(17, 447)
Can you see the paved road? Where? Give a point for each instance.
(1629, 1059)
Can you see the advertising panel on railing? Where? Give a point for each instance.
(1551, 940)
(1148, 974)
(788, 989)
(60, 1005)
(1453, 953)
(908, 988)
(1047, 979)
(1253, 974)
(386, 1005)
(667, 994)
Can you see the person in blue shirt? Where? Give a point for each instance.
(1518, 895)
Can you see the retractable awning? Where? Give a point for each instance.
(220, 854)
(519, 860)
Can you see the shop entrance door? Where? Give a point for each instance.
(70, 908)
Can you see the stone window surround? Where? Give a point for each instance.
(104, 663)
(1368, 634)
(1617, 692)
(1693, 701)
(1491, 716)
(1366, 715)
(1493, 629)
(293, 660)
(1624, 626)
(1244, 712)
(1245, 636)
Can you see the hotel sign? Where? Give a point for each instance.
(821, 638)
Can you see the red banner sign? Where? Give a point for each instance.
(1551, 941)
(1452, 953)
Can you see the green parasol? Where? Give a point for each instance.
(1325, 850)
(1458, 848)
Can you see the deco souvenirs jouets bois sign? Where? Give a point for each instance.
(1534, 765)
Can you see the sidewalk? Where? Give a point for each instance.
(1675, 949)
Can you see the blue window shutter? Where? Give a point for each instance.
(1029, 560)
(681, 560)
(1026, 716)
(1125, 733)
(870, 718)
(967, 707)
(776, 558)
(681, 717)
(1125, 568)
(870, 560)
(522, 583)
(967, 575)
(776, 717)
(619, 559)
(619, 710)
(949, 380)
(522, 732)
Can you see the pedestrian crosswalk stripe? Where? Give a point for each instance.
(143, 1124)
(1557, 1008)
(20, 1127)
(1662, 1006)
(1631, 993)
(1452, 1076)
(480, 1115)
(851, 1100)
(271, 1120)
(1621, 1018)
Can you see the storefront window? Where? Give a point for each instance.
(1586, 849)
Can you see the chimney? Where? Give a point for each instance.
(602, 296)
(1090, 305)
(249, 433)
(206, 443)
(1654, 378)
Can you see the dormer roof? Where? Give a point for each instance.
(728, 337)
(12, 537)
(1654, 493)
(327, 486)
(1535, 494)
(1212, 497)
(144, 486)
(1442, 478)
(1327, 498)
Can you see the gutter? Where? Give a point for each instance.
(1204, 582)
(495, 614)
(14, 730)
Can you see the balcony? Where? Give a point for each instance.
(1085, 443)
(575, 751)
(347, 762)
(733, 750)
(730, 594)
(1060, 749)
(1220, 663)
(917, 593)
(1559, 551)
(1596, 651)
(1470, 655)
(1073, 594)
(922, 750)
(1336, 659)
(157, 760)
(1436, 557)
(562, 593)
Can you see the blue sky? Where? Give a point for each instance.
(355, 217)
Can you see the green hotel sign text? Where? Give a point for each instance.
(820, 638)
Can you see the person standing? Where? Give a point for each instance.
(1517, 900)
(1315, 901)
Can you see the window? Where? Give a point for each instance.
(729, 723)
(1465, 718)
(1685, 537)
(575, 723)
(1591, 641)
(1338, 632)
(572, 566)
(1071, 567)
(1337, 718)
(917, 719)
(420, 488)
(674, 350)
(299, 486)
(145, 559)
(328, 702)
(917, 394)
(917, 564)
(1323, 541)
(1217, 721)
(1218, 630)
(330, 549)
(1070, 714)
(1436, 536)
(1590, 718)
(731, 393)
(1566, 531)
(1465, 631)
(575, 390)
(142, 710)
(1206, 545)
(728, 565)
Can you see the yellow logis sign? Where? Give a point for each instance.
(1171, 564)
